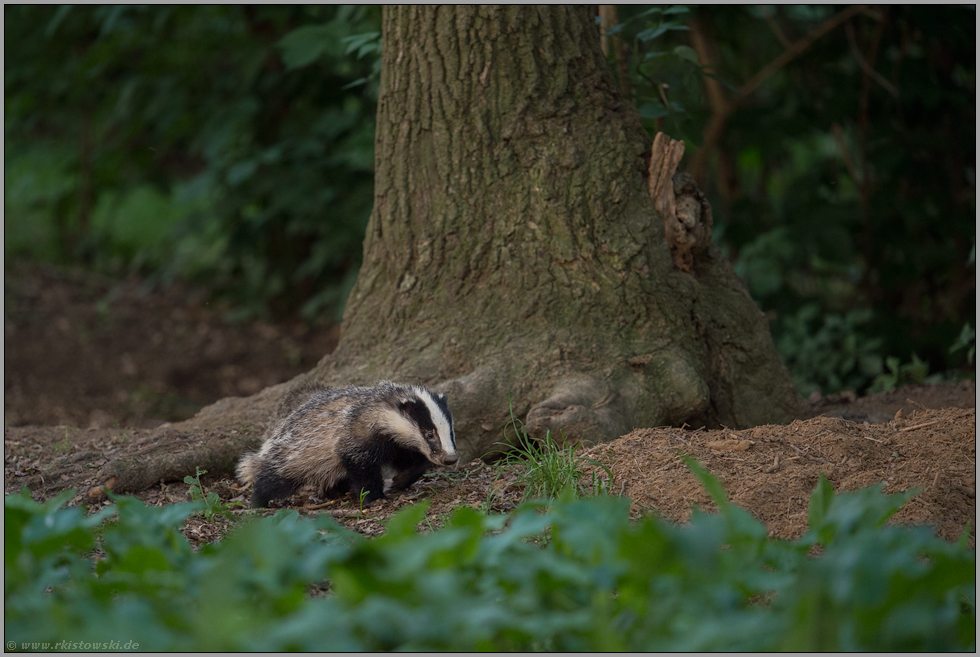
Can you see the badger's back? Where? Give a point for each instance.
(303, 438)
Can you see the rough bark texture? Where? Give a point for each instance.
(514, 255)
(514, 252)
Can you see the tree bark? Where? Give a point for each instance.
(514, 255)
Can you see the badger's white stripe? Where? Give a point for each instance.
(438, 419)
(404, 430)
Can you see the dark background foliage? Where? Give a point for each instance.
(232, 146)
(186, 141)
(843, 187)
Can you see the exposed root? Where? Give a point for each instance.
(580, 409)
(170, 455)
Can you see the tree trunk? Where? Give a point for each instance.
(515, 257)
(514, 254)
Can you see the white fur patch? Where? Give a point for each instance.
(404, 429)
(439, 419)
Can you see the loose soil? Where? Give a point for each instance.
(94, 366)
(87, 351)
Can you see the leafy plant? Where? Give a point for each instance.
(820, 156)
(64, 445)
(213, 506)
(650, 68)
(580, 576)
(829, 352)
(361, 496)
(220, 145)
(233, 146)
(898, 374)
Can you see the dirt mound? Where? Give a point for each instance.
(771, 470)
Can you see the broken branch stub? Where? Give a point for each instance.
(666, 155)
(685, 210)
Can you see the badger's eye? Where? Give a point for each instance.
(430, 435)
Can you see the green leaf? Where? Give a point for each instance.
(687, 53)
(404, 522)
(652, 33)
(139, 559)
(820, 501)
(305, 45)
(711, 484)
(845, 514)
(653, 111)
(366, 43)
(59, 15)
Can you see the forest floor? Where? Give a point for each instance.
(92, 365)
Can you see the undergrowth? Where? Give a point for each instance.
(213, 506)
(578, 575)
(548, 470)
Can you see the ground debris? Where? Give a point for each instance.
(774, 479)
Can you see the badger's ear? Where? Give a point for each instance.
(442, 396)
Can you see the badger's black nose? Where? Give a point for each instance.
(449, 459)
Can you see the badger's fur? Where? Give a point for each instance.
(340, 439)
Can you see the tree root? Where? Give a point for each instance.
(171, 455)
(581, 408)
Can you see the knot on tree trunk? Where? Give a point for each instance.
(685, 210)
(678, 392)
(580, 409)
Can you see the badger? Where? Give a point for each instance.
(340, 439)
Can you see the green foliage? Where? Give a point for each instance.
(967, 339)
(220, 144)
(830, 351)
(648, 66)
(233, 146)
(579, 577)
(213, 506)
(899, 375)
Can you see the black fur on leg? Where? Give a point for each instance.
(271, 486)
(336, 491)
(409, 475)
(365, 478)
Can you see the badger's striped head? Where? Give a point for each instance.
(425, 423)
